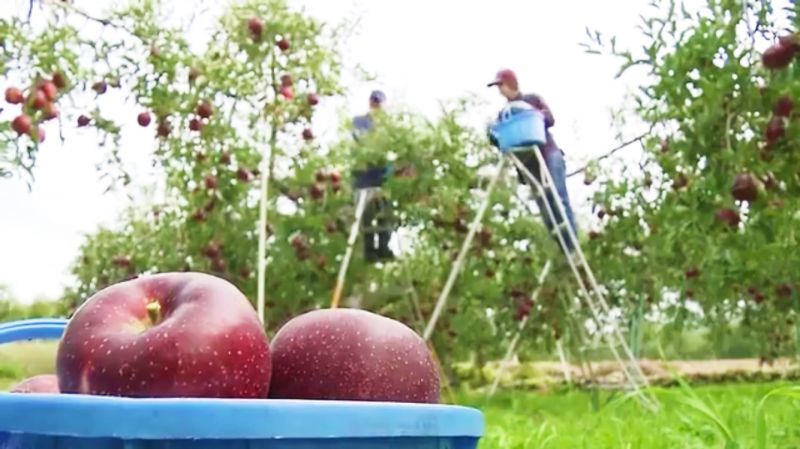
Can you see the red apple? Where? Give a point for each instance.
(50, 111)
(728, 216)
(205, 109)
(320, 175)
(777, 57)
(22, 124)
(59, 80)
(225, 158)
(523, 309)
(166, 335)
(211, 182)
(287, 92)
(199, 215)
(283, 44)
(312, 99)
(784, 106)
(784, 290)
(330, 227)
(692, 272)
(286, 80)
(349, 354)
(14, 95)
(164, 129)
(195, 124)
(256, 28)
(335, 176)
(212, 250)
(49, 89)
(680, 181)
(299, 241)
(83, 121)
(100, 87)
(308, 134)
(38, 99)
(317, 191)
(775, 130)
(745, 187)
(484, 237)
(43, 383)
(143, 119)
(242, 174)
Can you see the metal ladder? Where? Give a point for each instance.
(576, 259)
(361, 205)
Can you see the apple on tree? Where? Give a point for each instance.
(166, 335)
(350, 354)
(14, 96)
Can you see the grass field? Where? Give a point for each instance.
(720, 416)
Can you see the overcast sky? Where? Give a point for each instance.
(422, 51)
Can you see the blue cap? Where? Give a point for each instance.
(377, 96)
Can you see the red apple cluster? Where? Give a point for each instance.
(186, 334)
(38, 106)
(323, 178)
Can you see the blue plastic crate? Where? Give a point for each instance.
(519, 130)
(49, 421)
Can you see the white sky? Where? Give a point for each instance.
(422, 51)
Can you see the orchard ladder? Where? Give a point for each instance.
(576, 259)
(361, 205)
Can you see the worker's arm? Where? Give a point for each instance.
(538, 103)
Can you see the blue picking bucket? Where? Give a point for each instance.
(522, 129)
(72, 421)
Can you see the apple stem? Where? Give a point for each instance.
(154, 312)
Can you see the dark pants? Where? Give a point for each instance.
(558, 172)
(376, 213)
(376, 244)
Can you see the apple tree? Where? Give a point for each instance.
(703, 228)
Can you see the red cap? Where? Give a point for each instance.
(505, 76)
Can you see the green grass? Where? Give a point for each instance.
(21, 360)
(721, 416)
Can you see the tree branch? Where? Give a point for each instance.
(611, 153)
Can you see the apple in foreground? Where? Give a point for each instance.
(43, 383)
(350, 354)
(166, 335)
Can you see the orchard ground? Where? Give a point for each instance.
(558, 417)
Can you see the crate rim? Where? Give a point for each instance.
(73, 415)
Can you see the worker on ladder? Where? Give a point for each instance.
(378, 209)
(506, 81)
